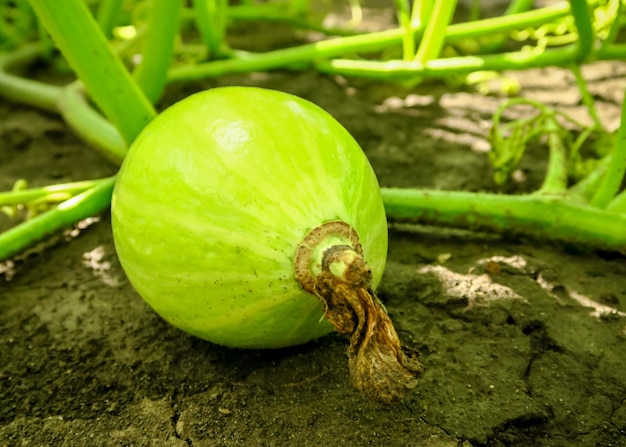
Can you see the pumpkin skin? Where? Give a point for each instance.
(213, 199)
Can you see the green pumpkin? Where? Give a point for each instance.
(216, 195)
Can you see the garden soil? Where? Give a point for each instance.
(523, 341)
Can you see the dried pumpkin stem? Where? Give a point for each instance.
(340, 278)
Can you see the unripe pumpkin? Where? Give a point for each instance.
(214, 199)
(251, 218)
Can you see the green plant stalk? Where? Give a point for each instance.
(391, 204)
(616, 168)
(540, 216)
(555, 181)
(68, 101)
(53, 193)
(108, 11)
(449, 66)
(474, 11)
(85, 47)
(86, 204)
(582, 17)
(89, 125)
(26, 91)
(586, 97)
(612, 52)
(211, 16)
(435, 31)
(421, 11)
(158, 47)
(502, 24)
(247, 62)
(365, 42)
(404, 19)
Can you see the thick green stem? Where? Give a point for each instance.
(69, 101)
(494, 25)
(89, 124)
(541, 216)
(582, 17)
(158, 47)
(23, 90)
(403, 11)
(449, 66)
(421, 11)
(211, 16)
(83, 44)
(246, 62)
(612, 52)
(616, 168)
(370, 42)
(86, 204)
(435, 31)
(586, 97)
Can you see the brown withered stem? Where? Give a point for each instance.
(379, 366)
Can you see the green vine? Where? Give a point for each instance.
(124, 59)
